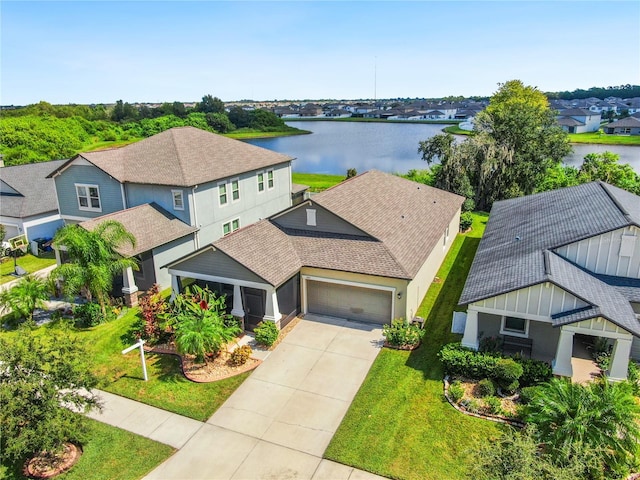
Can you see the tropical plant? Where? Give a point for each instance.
(24, 298)
(200, 322)
(88, 315)
(152, 305)
(42, 376)
(602, 417)
(94, 260)
(240, 355)
(266, 333)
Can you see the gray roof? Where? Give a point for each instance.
(403, 222)
(182, 156)
(298, 188)
(36, 193)
(514, 252)
(569, 122)
(149, 223)
(577, 112)
(632, 122)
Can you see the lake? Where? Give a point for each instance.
(334, 147)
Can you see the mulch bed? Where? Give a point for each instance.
(48, 465)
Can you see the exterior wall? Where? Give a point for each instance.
(635, 349)
(488, 325)
(167, 253)
(417, 288)
(12, 227)
(325, 221)
(537, 302)
(399, 305)
(37, 226)
(601, 254)
(138, 194)
(110, 192)
(251, 207)
(215, 263)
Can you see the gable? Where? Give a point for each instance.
(213, 261)
(325, 221)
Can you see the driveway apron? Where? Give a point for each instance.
(278, 423)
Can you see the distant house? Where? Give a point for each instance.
(176, 190)
(579, 120)
(28, 204)
(626, 126)
(311, 110)
(557, 269)
(366, 249)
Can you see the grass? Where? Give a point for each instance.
(399, 424)
(29, 262)
(368, 120)
(108, 453)
(604, 139)
(317, 181)
(456, 130)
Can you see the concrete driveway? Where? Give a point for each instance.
(279, 422)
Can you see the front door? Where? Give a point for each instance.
(255, 301)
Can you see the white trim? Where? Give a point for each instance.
(226, 194)
(87, 186)
(509, 313)
(264, 187)
(273, 179)
(231, 182)
(173, 197)
(230, 223)
(124, 198)
(212, 278)
(514, 333)
(311, 217)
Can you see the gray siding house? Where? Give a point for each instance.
(366, 249)
(557, 269)
(626, 126)
(209, 184)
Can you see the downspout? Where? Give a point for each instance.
(195, 216)
(124, 198)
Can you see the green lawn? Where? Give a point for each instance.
(317, 181)
(399, 424)
(28, 262)
(109, 453)
(455, 130)
(604, 139)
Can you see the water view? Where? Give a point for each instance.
(333, 147)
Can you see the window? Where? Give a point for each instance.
(515, 326)
(88, 197)
(270, 179)
(222, 193)
(261, 182)
(235, 190)
(311, 217)
(178, 201)
(231, 226)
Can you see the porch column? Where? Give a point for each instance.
(470, 338)
(58, 257)
(238, 310)
(175, 287)
(562, 363)
(272, 311)
(130, 289)
(619, 365)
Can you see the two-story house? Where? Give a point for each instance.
(556, 270)
(175, 191)
(579, 120)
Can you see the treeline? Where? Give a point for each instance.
(43, 132)
(622, 91)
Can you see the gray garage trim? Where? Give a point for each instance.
(350, 300)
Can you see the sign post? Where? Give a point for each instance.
(133, 347)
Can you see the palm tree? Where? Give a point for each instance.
(600, 416)
(29, 294)
(93, 259)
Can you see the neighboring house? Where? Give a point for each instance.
(626, 126)
(28, 203)
(213, 185)
(366, 249)
(559, 265)
(579, 120)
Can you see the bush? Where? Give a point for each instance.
(603, 360)
(491, 345)
(472, 405)
(493, 405)
(527, 393)
(485, 388)
(459, 360)
(401, 333)
(506, 374)
(466, 220)
(634, 377)
(87, 315)
(240, 355)
(534, 372)
(456, 392)
(266, 333)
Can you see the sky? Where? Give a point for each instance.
(147, 51)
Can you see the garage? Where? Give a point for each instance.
(349, 301)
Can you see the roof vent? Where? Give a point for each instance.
(518, 238)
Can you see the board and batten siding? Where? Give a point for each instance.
(214, 263)
(538, 302)
(109, 188)
(601, 254)
(326, 221)
(138, 194)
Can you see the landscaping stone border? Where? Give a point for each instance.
(401, 347)
(493, 418)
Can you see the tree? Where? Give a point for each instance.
(605, 166)
(239, 117)
(351, 172)
(575, 419)
(42, 376)
(93, 259)
(220, 122)
(29, 294)
(210, 104)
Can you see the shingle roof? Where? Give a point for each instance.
(37, 192)
(149, 223)
(569, 122)
(629, 122)
(183, 156)
(577, 112)
(297, 188)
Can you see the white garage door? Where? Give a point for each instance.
(346, 301)
(10, 231)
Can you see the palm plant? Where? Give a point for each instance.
(29, 294)
(94, 259)
(601, 417)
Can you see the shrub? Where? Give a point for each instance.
(634, 377)
(493, 405)
(491, 345)
(472, 405)
(466, 220)
(459, 360)
(485, 388)
(266, 333)
(87, 315)
(456, 392)
(506, 374)
(152, 306)
(401, 333)
(603, 360)
(528, 393)
(240, 355)
(534, 372)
